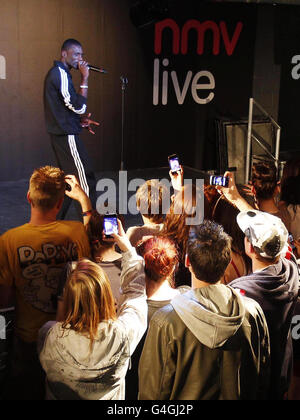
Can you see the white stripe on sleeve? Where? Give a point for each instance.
(66, 94)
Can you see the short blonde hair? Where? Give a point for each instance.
(88, 299)
(150, 199)
(46, 187)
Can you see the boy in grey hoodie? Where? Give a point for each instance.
(211, 342)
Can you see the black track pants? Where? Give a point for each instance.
(73, 159)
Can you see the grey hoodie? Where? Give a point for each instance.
(209, 343)
(211, 322)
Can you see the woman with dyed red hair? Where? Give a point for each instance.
(161, 263)
(161, 258)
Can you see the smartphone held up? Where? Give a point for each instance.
(219, 180)
(110, 225)
(174, 163)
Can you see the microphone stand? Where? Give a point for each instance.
(124, 81)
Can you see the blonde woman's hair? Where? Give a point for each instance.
(88, 299)
(46, 187)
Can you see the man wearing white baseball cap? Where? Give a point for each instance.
(274, 284)
(267, 233)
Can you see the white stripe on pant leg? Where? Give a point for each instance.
(80, 167)
(78, 164)
(71, 145)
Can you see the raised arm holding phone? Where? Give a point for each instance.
(232, 194)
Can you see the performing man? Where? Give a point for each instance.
(65, 115)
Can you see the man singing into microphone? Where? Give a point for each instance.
(65, 115)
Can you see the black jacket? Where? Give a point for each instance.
(63, 106)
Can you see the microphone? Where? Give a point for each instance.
(97, 69)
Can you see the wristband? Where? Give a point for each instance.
(87, 213)
(84, 87)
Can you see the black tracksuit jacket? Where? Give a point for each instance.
(63, 105)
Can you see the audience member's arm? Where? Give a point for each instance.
(232, 194)
(60, 312)
(79, 195)
(177, 180)
(43, 332)
(130, 233)
(259, 325)
(133, 307)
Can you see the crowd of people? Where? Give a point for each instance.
(197, 303)
(170, 310)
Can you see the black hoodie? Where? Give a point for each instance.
(276, 290)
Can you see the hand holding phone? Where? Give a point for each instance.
(174, 163)
(219, 180)
(113, 231)
(110, 225)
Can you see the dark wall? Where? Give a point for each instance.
(32, 31)
(188, 128)
(287, 55)
(31, 34)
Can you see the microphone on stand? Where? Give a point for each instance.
(97, 69)
(124, 81)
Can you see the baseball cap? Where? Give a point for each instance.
(267, 233)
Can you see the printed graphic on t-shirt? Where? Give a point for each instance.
(42, 270)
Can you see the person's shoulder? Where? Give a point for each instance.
(117, 263)
(254, 312)
(251, 305)
(251, 285)
(55, 71)
(71, 227)
(11, 233)
(71, 223)
(164, 316)
(244, 280)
